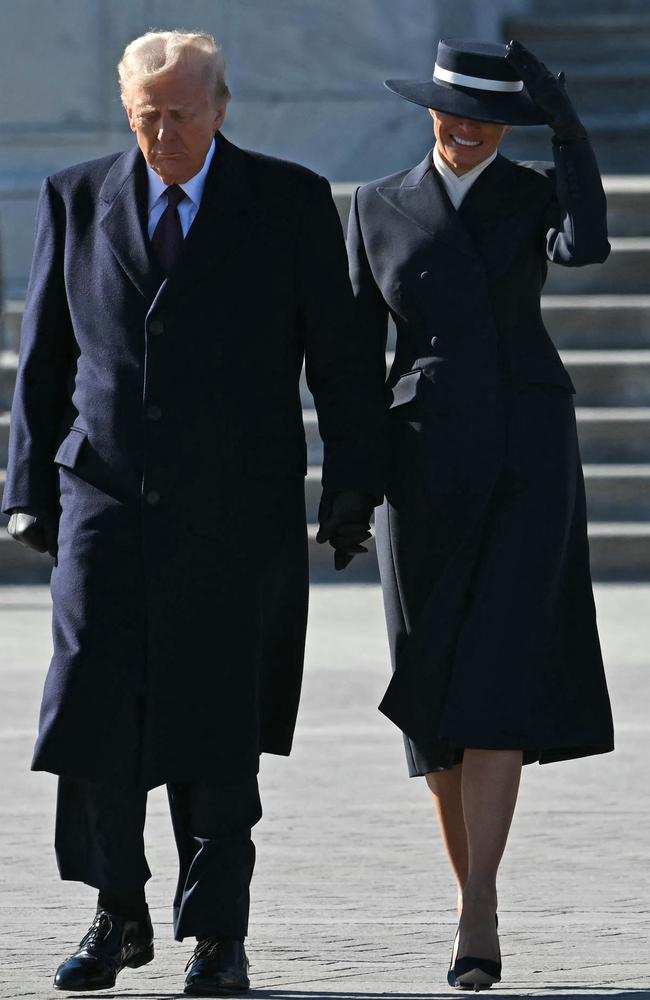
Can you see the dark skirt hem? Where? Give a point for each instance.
(419, 764)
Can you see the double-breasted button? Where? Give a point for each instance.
(152, 497)
(435, 341)
(154, 412)
(156, 327)
(425, 274)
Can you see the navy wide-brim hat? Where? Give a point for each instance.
(472, 80)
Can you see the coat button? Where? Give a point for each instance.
(435, 341)
(153, 497)
(156, 327)
(154, 413)
(425, 274)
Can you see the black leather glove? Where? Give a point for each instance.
(344, 520)
(36, 531)
(547, 92)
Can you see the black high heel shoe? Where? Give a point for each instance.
(469, 973)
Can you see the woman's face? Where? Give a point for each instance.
(464, 143)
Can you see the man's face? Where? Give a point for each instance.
(174, 120)
(464, 143)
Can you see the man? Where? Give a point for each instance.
(157, 450)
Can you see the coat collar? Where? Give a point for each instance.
(421, 198)
(228, 195)
(492, 198)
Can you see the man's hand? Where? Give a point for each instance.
(344, 520)
(36, 531)
(547, 92)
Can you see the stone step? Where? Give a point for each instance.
(628, 197)
(621, 141)
(625, 272)
(620, 492)
(620, 90)
(610, 378)
(614, 434)
(578, 8)
(619, 551)
(13, 315)
(583, 322)
(602, 41)
(607, 435)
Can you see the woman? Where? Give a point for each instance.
(482, 539)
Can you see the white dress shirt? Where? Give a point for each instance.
(188, 207)
(457, 187)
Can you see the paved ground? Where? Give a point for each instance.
(352, 896)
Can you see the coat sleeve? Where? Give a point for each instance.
(576, 221)
(345, 372)
(40, 397)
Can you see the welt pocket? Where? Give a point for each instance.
(69, 450)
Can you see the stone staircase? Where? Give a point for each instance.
(599, 318)
(603, 46)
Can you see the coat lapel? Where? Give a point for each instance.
(124, 193)
(421, 199)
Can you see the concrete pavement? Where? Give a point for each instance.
(352, 897)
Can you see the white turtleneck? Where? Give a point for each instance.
(457, 187)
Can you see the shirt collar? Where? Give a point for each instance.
(192, 188)
(465, 181)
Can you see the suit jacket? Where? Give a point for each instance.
(164, 417)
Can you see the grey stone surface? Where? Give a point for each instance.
(352, 897)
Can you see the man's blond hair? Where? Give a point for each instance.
(156, 53)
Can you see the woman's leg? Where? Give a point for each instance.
(475, 803)
(445, 787)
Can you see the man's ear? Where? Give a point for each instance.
(220, 116)
(129, 115)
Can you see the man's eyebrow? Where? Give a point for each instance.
(145, 108)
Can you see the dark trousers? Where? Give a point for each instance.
(99, 840)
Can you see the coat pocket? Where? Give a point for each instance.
(405, 390)
(70, 448)
(416, 394)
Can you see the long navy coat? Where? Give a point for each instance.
(164, 418)
(482, 540)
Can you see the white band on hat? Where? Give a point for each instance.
(477, 82)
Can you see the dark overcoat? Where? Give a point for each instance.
(482, 541)
(163, 419)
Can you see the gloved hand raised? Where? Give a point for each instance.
(36, 531)
(547, 92)
(344, 520)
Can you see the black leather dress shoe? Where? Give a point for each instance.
(110, 944)
(217, 968)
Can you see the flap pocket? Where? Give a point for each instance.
(405, 389)
(70, 447)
